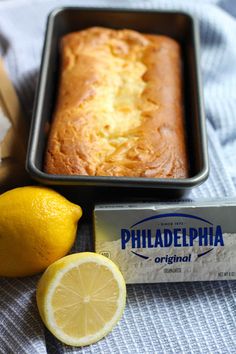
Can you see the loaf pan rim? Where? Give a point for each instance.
(116, 181)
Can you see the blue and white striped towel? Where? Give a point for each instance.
(159, 318)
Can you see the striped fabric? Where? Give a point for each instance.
(159, 318)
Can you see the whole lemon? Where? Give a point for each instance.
(37, 227)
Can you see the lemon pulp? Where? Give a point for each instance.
(81, 297)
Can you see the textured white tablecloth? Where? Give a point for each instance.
(166, 318)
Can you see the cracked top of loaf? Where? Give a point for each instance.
(119, 109)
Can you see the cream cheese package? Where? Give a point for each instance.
(169, 242)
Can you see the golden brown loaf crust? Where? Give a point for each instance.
(119, 110)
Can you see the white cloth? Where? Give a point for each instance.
(159, 318)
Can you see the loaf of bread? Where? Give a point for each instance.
(119, 109)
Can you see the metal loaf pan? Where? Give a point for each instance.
(178, 25)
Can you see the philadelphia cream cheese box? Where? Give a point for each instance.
(169, 242)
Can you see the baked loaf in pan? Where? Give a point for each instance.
(119, 108)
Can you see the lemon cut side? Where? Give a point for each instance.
(81, 297)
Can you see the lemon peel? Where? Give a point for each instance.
(37, 227)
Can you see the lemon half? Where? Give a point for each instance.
(81, 297)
